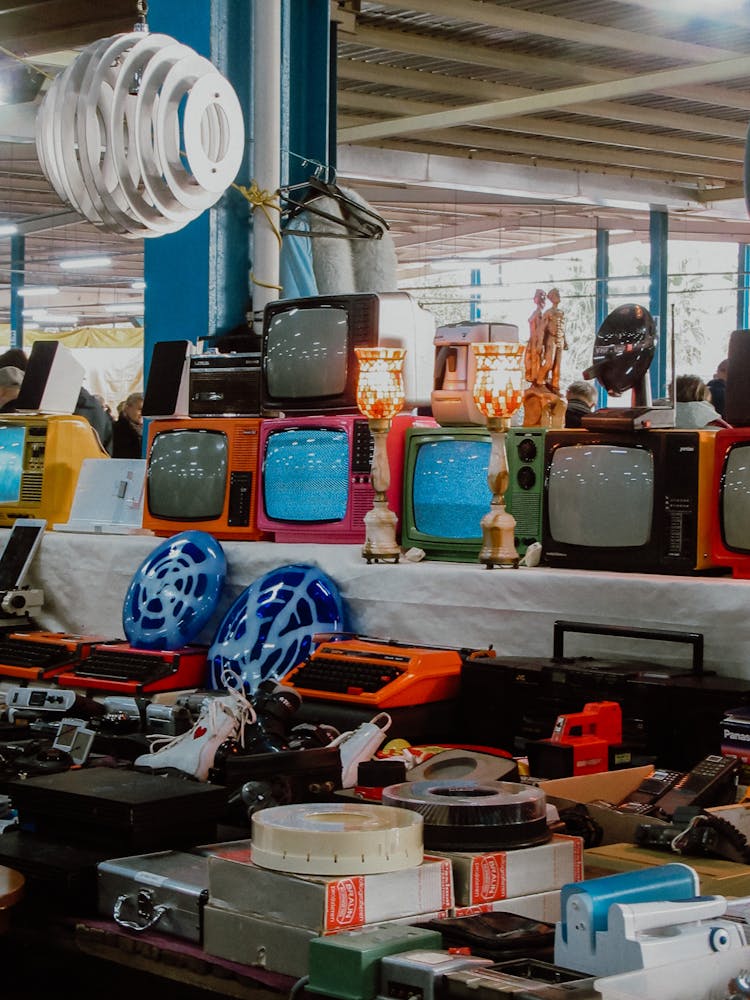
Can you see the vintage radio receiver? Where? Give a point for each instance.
(225, 385)
(377, 673)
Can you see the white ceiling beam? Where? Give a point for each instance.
(664, 142)
(420, 170)
(552, 26)
(504, 59)
(555, 100)
(439, 83)
(583, 155)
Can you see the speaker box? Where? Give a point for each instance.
(737, 409)
(168, 386)
(523, 499)
(52, 380)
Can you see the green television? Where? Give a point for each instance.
(445, 491)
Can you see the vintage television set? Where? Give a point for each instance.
(314, 484)
(730, 538)
(309, 365)
(201, 473)
(40, 458)
(446, 494)
(628, 500)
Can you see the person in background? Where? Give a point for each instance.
(10, 385)
(128, 428)
(581, 398)
(717, 386)
(693, 407)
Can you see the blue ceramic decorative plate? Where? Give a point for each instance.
(174, 591)
(269, 628)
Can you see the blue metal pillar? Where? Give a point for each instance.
(475, 306)
(659, 236)
(197, 280)
(743, 287)
(17, 268)
(308, 88)
(601, 291)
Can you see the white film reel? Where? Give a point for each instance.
(140, 134)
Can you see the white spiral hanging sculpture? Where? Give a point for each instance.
(140, 134)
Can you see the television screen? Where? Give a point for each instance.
(601, 495)
(307, 353)
(187, 474)
(735, 499)
(306, 475)
(11, 462)
(449, 488)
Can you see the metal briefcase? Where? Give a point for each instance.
(164, 892)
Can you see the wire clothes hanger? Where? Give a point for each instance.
(357, 220)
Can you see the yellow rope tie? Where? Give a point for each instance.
(264, 200)
(24, 62)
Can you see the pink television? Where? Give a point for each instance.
(315, 485)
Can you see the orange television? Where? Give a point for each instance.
(201, 473)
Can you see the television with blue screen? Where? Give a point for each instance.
(628, 500)
(308, 362)
(40, 459)
(201, 473)
(445, 491)
(315, 476)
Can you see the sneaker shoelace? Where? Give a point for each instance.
(234, 704)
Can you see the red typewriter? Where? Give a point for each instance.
(34, 656)
(122, 669)
(377, 673)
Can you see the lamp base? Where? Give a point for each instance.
(380, 534)
(498, 539)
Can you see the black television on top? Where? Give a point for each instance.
(309, 364)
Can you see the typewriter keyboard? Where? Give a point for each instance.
(43, 655)
(322, 673)
(141, 667)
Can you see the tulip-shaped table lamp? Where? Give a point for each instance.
(380, 396)
(497, 393)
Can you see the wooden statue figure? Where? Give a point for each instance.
(533, 354)
(553, 341)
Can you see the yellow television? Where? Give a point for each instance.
(40, 458)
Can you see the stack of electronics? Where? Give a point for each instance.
(670, 714)
(276, 437)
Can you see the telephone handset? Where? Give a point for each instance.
(712, 782)
(650, 790)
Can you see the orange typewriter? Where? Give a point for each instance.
(377, 673)
(123, 669)
(33, 656)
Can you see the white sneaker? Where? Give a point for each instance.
(221, 718)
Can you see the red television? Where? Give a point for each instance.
(730, 528)
(314, 484)
(201, 473)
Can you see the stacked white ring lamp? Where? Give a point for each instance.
(140, 134)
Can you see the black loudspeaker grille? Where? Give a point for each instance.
(36, 375)
(165, 377)
(738, 380)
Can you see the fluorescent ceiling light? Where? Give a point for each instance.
(84, 263)
(138, 286)
(8, 228)
(29, 291)
(60, 318)
(124, 307)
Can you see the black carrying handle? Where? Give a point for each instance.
(694, 639)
